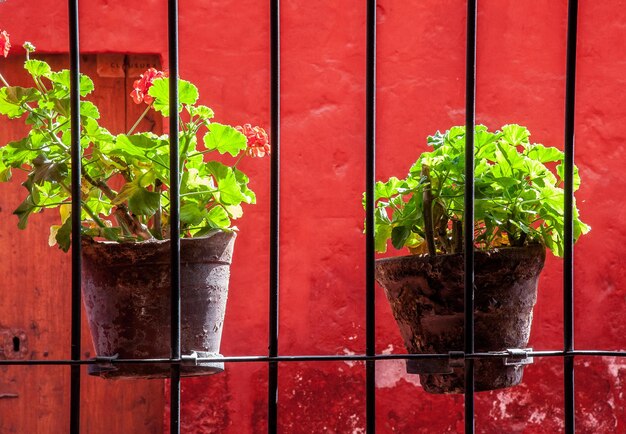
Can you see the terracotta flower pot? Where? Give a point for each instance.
(426, 295)
(126, 293)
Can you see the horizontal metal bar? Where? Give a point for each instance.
(318, 358)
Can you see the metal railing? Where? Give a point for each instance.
(568, 353)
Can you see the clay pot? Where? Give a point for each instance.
(126, 293)
(426, 294)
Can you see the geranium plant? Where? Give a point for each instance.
(519, 199)
(125, 177)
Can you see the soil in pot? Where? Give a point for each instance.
(426, 295)
(126, 293)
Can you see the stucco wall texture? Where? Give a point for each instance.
(421, 57)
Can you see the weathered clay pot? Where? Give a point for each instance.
(426, 295)
(126, 293)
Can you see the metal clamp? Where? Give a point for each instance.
(456, 359)
(191, 359)
(518, 357)
(105, 363)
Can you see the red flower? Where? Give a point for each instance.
(5, 45)
(258, 141)
(141, 86)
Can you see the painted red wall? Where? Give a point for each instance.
(421, 49)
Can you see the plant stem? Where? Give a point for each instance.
(428, 212)
(121, 211)
(145, 112)
(239, 159)
(157, 216)
(457, 239)
(4, 81)
(88, 210)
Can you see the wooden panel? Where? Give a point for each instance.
(35, 297)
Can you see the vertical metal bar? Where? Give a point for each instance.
(370, 156)
(272, 386)
(470, 120)
(174, 217)
(568, 229)
(76, 215)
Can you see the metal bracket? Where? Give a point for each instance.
(518, 357)
(191, 359)
(515, 356)
(105, 363)
(456, 359)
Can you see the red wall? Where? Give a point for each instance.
(421, 49)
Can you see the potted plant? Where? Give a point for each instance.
(126, 210)
(518, 214)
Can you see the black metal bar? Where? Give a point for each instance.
(470, 120)
(568, 229)
(174, 217)
(76, 215)
(316, 358)
(272, 384)
(370, 179)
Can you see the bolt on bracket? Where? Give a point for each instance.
(515, 356)
(191, 359)
(105, 363)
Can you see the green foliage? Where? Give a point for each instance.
(518, 199)
(211, 192)
(160, 91)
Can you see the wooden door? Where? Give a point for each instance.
(35, 289)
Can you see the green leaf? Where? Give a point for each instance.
(544, 154)
(62, 78)
(382, 229)
(125, 193)
(142, 147)
(192, 213)
(160, 91)
(47, 170)
(5, 171)
(187, 93)
(217, 218)
(385, 190)
(399, 235)
(144, 202)
(18, 153)
(89, 110)
(112, 234)
(515, 134)
(234, 211)
(20, 95)
(37, 68)
(224, 138)
(86, 85)
(140, 200)
(202, 111)
(12, 98)
(560, 170)
(23, 211)
(63, 235)
(507, 154)
(227, 185)
(242, 180)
